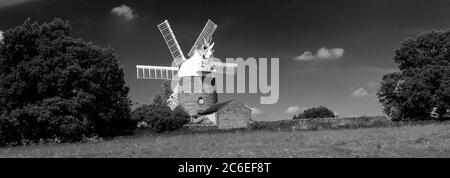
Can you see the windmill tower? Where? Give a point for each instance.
(193, 84)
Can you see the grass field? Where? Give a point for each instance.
(432, 140)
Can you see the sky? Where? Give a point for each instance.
(332, 53)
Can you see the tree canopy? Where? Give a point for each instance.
(158, 115)
(421, 89)
(54, 85)
(315, 112)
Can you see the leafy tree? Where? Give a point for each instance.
(316, 112)
(54, 85)
(176, 120)
(158, 116)
(420, 90)
(388, 94)
(431, 48)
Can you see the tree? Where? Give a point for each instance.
(430, 48)
(420, 90)
(317, 112)
(175, 119)
(158, 116)
(388, 95)
(54, 85)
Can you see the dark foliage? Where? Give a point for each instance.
(317, 112)
(421, 90)
(158, 116)
(55, 86)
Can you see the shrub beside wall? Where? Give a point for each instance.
(160, 118)
(317, 112)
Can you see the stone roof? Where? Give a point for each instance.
(214, 108)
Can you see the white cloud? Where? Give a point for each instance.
(322, 53)
(125, 12)
(360, 92)
(1, 36)
(256, 111)
(306, 56)
(330, 53)
(292, 110)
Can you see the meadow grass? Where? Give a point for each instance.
(429, 140)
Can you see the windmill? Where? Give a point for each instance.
(198, 67)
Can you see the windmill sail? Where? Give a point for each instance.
(172, 102)
(171, 42)
(156, 72)
(205, 35)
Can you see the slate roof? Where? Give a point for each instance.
(214, 108)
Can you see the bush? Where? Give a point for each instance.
(160, 118)
(317, 112)
(55, 86)
(421, 90)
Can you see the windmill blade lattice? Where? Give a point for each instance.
(171, 42)
(205, 35)
(172, 102)
(156, 72)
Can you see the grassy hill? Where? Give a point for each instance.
(430, 140)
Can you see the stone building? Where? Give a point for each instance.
(193, 81)
(227, 115)
(195, 94)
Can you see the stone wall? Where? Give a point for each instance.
(233, 115)
(324, 123)
(188, 99)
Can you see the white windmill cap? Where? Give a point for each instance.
(191, 67)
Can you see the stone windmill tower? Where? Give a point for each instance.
(193, 82)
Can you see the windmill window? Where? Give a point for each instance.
(200, 100)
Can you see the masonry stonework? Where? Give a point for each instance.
(192, 90)
(233, 115)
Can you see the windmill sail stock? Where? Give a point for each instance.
(171, 42)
